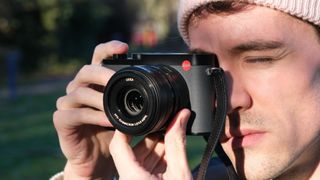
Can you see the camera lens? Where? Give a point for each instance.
(143, 99)
(133, 102)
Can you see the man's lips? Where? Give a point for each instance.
(243, 138)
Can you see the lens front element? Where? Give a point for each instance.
(133, 102)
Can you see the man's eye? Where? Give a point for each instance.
(259, 60)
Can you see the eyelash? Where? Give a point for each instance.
(260, 60)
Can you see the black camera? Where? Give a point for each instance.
(148, 90)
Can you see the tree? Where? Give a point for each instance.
(61, 30)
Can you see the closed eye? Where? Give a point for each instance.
(259, 60)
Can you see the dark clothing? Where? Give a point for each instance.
(217, 170)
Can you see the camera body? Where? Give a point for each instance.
(148, 90)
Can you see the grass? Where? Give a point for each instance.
(29, 146)
(28, 143)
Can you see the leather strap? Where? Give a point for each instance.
(220, 112)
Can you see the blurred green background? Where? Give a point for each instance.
(43, 43)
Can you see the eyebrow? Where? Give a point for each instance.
(256, 46)
(259, 45)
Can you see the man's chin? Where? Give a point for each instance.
(254, 165)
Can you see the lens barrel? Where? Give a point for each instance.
(139, 100)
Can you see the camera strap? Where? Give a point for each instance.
(221, 103)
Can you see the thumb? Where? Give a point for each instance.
(175, 147)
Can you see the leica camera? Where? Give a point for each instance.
(148, 90)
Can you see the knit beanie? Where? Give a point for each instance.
(308, 10)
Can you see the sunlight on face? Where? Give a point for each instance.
(272, 66)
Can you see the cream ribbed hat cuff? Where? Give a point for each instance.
(308, 10)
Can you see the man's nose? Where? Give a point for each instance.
(239, 98)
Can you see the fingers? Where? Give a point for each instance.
(154, 162)
(96, 74)
(90, 74)
(175, 147)
(69, 119)
(150, 151)
(82, 96)
(146, 146)
(152, 156)
(82, 92)
(82, 105)
(106, 50)
(126, 161)
(122, 154)
(80, 118)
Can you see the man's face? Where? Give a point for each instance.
(272, 65)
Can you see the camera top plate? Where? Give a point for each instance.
(162, 58)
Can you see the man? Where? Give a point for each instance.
(272, 65)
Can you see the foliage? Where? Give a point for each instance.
(61, 29)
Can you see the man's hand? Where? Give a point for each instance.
(154, 158)
(80, 120)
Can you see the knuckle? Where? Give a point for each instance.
(56, 118)
(60, 102)
(84, 70)
(78, 95)
(69, 87)
(99, 48)
(82, 113)
(81, 91)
